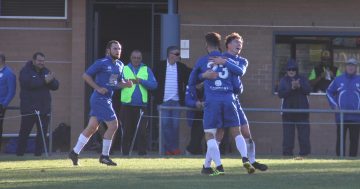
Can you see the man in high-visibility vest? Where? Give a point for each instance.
(134, 100)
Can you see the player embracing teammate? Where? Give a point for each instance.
(221, 76)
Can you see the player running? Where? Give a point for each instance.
(108, 77)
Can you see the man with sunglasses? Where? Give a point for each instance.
(172, 77)
(293, 90)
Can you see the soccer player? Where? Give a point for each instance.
(220, 110)
(233, 44)
(108, 73)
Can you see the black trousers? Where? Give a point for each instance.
(303, 129)
(2, 115)
(27, 123)
(196, 135)
(353, 128)
(129, 116)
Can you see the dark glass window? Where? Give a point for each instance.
(308, 51)
(33, 8)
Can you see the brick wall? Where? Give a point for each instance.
(63, 43)
(199, 17)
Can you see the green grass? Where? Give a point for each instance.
(182, 172)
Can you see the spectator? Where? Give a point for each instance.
(7, 89)
(134, 100)
(322, 74)
(36, 81)
(197, 132)
(172, 77)
(343, 94)
(293, 90)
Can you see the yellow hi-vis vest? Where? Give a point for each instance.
(126, 93)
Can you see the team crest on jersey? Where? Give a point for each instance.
(109, 68)
(341, 84)
(218, 83)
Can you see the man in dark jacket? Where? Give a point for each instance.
(293, 90)
(172, 77)
(36, 81)
(344, 94)
(322, 74)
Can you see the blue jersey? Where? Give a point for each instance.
(107, 75)
(222, 86)
(237, 84)
(7, 85)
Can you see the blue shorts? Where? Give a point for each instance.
(243, 118)
(102, 109)
(220, 114)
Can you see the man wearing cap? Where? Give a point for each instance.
(321, 76)
(344, 94)
(293, 90)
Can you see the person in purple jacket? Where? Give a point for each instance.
(7, 89)
(344, 94)
(36, 82)
(294, 90)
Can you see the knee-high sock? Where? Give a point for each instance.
(214, 152)
(82, 141)
(250, 144)
(208, 159)
(106, 147)
(241, 145)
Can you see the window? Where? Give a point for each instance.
(33, 9)
(309, 52)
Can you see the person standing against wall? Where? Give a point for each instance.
(294, 90)
(36, 82)
(7, 90)
(134, 100)
(172, 77)
(343, 94)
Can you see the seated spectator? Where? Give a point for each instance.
(322, 74)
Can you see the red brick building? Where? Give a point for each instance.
(75, 35)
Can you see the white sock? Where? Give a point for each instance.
(207, 163)
(208, 159)
(214, 152)
(106, 147)
(241, 145)
(82, 141)
(250, 144)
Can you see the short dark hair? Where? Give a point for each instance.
(135, 51)
(171, 48)
(108, 45)
(231, 37)
(213, 39)
(38, 54)
(2, 57)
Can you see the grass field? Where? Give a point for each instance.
(182, 172)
